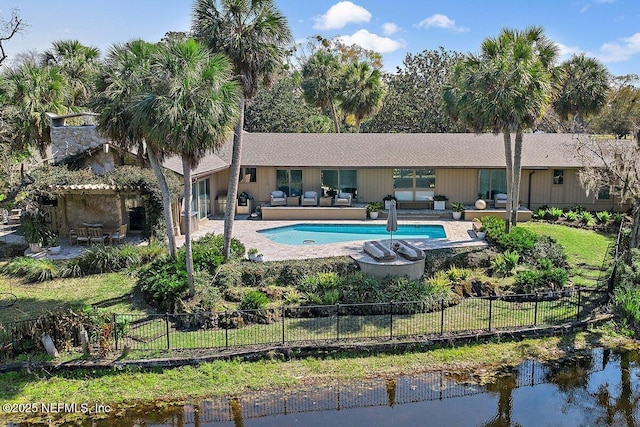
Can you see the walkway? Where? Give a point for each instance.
(458, 232)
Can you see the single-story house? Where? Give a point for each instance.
(413, 167)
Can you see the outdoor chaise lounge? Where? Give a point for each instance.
(500, 200)
(409, 251)
(343, 199)
(310, 198)
(278, 198)
(378, 251)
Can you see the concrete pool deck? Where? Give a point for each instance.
(459, 234)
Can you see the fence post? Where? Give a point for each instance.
(490, 312)
(115, 331)
(535, 311)
(283, 315)
(442, 316)
(337, 321)
(226, 329)
(166, 323)
(579, 302)
(391, 319)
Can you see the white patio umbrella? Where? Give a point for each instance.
(392, 221)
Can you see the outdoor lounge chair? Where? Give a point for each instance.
(500, 200)
(278, 198)
(343, 199)
(409, 251)
(378, 251)
(96, 235)
(82, 236)
(120, 235)
(310, 198)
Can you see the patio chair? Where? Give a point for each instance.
(343, 199)
(500, 200)
(120, 235)
(409, 251)
(278, 198)
(378, 251)
(310, 198)
(96, 235)
(82, 236)
(14, 216)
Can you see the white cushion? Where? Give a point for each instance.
(501, 196)
(277, 194)
(344, 195)
(310, 194)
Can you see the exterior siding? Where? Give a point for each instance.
(459, 185)
(374, 184)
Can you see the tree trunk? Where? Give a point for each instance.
(517, 174)
(508, 155)
(186, 173)
(234, 181)
(166, 198)
(635, 234)
(334, 116)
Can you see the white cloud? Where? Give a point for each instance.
(441, 21)
(620, 51)
(341, 14)
(372, 41)
(567, 51)
(389, 28)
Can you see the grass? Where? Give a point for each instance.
(113, 291)
(585, 248)
(224, 378)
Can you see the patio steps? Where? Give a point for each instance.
(418, 214)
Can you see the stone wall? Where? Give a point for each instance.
(71, 140)
(105, 208)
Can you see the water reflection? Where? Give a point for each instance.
(601, 389)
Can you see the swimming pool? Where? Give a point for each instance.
(309, 234)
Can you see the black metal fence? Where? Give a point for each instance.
(320, 324)
(305, 324)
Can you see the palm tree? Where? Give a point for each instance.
(362, 91)
(32, 91)
(321, 82)
(505, 89)
(583, 91)
(188, 109)
(254, 35)
(78, 63)
(122, 79)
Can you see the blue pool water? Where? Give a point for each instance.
(304, 234)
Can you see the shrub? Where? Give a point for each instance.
(587, 219)
(539, 213)
(627, 305)
(539, 281)
(571, 216)
(254, 300)
(162, 283)
(547, 247)
(526, 282)
(361, 288)
(32, 269)
(208, 252)
(456, 274)
(331, 297)
(511, 259)
(603, 217)
(617, 217)
(553, 214)
(438, 282)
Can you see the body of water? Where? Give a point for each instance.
(599, 389)
(303, 234)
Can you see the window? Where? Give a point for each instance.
(558, 176)
(333, 181)
(289, 181)
(410, 184)
(490, 182)
(604, 194)
(248, 175)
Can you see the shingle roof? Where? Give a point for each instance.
(451, 150)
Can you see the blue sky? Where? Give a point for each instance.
(605, 29)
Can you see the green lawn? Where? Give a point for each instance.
(585, 248)
(113, 291)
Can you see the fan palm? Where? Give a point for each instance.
(583, 90)
(189, 108)
(505, 89)
(254, 35)
(78, 63)
(32, 91)
(121, 79)
(321, 82)
(362, 91)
